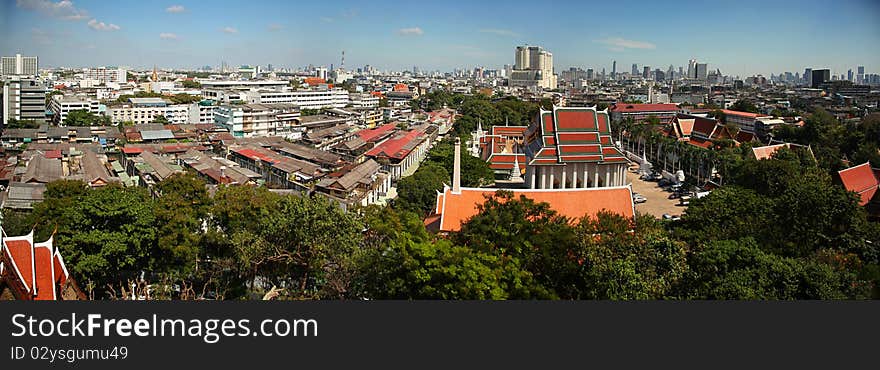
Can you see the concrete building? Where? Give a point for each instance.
(19, 66)
(202, 112)
(305, 98)
(533, 68)
(145, 110)
(243, 85)
(24, 99)
(62, 105)
(253, 120)
(106, 75)
(702, 71)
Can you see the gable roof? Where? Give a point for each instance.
(862, 180)
(37, 268)
(643, 108)
(456, 208)
(570, 134)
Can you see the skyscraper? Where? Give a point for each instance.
(808, 75)
(692, 69)
(702, 71)
(646, 71)
(861, 74)
(849, 75)
(613, 69)
(19, 66)
(635, 69)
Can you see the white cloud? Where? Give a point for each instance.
(167, 36)
(499, 32)
(229, 30)
(63, 9)
(101, 26)
(326, 19)
(175, 9)
(412, 31)
(621, 44)
(275, 27)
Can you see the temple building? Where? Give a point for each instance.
(34, 271)
(571, 148)
(501, 147)
(456, 204)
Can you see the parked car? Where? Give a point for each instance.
(638, 198)
(663, 183)
(669, 217)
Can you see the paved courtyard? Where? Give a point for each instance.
(658, 202)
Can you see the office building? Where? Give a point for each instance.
(819, 76)
(635, 69)
(24, 99)
(702, 72)
(692, 69)
(860, 76)
(646, 72)
(19, 66)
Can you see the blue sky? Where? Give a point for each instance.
(740, 37)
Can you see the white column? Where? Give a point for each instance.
(595, 175)
(564, 175)
(552, 175)
(586, 175)
(574, 175)
(532, 178)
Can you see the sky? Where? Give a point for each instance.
(742, 37)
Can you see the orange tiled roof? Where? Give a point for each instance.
(36, 267)
(454, 209)
(766, 152)
(862, 180)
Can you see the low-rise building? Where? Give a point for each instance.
(146, 110)
(62, 105)
(249, 120)
(358, 184)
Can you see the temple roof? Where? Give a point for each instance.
(568, 134)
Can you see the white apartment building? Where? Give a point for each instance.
(364, 101)
(62, 105)
(106, 75)
(24, 99)
(202, 112)
(244, 85)
(254, 120)
(145, 110)
(305, 99)
(18, 65)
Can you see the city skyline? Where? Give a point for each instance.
(186, 34)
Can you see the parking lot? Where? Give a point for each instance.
(658, 200)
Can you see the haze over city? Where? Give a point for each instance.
(739, 38)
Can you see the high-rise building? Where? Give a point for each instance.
(808, 75)
(613, 69)
(861, 74)
(692, 69)
(819, 76)
(635, 69)
(590, 73)
(702, 71)
(849, 75)
(19, 66)
(534, 67)
(646, 71)
(24, 99)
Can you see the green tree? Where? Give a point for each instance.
(744, 106)
(401, 262)
(418, 193)
(190, 84)
(181, 210)
(82, 118)
(160, 119)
